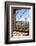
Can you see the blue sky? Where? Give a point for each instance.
(21, 14)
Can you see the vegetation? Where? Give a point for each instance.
(21, 27)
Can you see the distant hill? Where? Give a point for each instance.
(22, 22)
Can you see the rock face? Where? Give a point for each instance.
(19, 34)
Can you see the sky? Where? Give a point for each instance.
(21, 14)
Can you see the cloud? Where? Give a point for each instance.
(20, 16)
